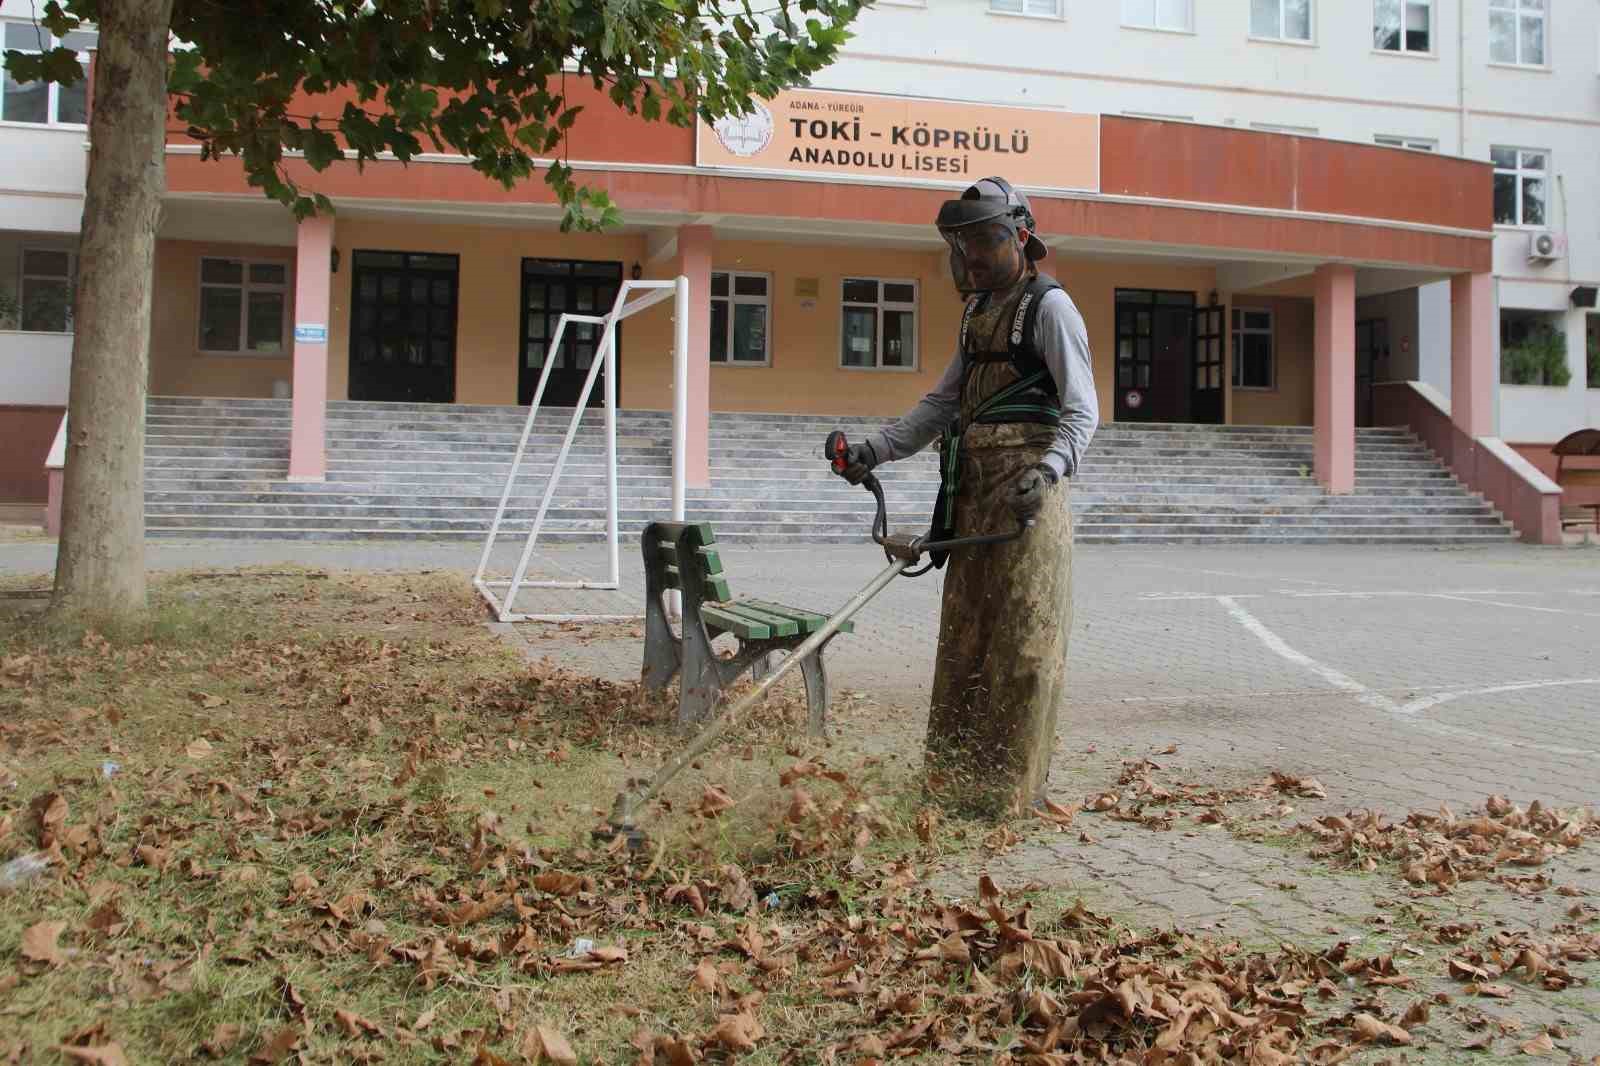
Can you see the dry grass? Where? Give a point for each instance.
(362, 731)
(297, 816)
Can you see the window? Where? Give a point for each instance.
(1416, 144)
(1592, 333)
(1159, 14)
(879, 329)
(741, 308)
(1517, 32)
(1533, 349)
(1275, 127)
(1281, 20)
(1159, 116)
(41, 103)
(244, 306)
(1402, 25)
(1519, 186)
(1252, 349)
(1041, 8)
(49, 279)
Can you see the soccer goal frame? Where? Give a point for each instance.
(501, 594)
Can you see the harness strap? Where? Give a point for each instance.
(1033, 397)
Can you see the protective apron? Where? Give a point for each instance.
(1000, 674)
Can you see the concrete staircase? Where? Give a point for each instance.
(216, 467)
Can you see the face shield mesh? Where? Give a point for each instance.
(985, 255)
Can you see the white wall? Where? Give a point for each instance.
(1433, 336)
(42, 168)
(1340, 85)
(34, 368)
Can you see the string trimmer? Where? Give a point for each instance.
(903, 551)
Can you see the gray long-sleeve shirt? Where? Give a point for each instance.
(1060, 340)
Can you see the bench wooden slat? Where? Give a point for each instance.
(732, 622)
(780, 625)
(717, 589)
(699, 534)
(809, 621)
(710, 558)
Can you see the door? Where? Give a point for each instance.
(1206, 402)
(1154, 351)
(403, 326)
(549, 287)
(1372, 343)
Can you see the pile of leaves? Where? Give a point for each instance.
(350, 826)
(1442, 850)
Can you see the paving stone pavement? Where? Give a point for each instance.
(1401, 678)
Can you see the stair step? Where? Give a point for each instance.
(216, 468)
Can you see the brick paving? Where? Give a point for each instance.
(1401, 678)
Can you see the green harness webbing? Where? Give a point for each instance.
(1003, 406)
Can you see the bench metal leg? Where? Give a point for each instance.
(663, 655)
(765, 664)
(816, 694)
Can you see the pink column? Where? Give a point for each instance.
(1472, 369)
(52, 507)
(313, 284)
(1334, 385)
(694, 262)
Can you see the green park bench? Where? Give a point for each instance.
(684, 556)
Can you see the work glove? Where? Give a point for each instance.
(859, 459)
(1026, 498)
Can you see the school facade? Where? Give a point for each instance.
(1243, 273)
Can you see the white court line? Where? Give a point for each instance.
(1407, 712)
(1230, 573)
(1160, 596)
(1401, 592)
(1277, 645)
(1426, 702)
(1514, 606)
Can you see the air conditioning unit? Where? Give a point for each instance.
(1545, 245)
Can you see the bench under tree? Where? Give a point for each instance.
(685, 556)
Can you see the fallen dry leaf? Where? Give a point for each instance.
(103, 1055)
(1539, 1045)
(354, 1024)
(39, 942)
(544, 1044)
(1369, 1028)
(737, 1032)
(199, 748)
(713, 801)
(223, 1037)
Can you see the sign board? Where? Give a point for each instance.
(310, 333)
(900, 139)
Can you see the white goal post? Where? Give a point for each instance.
(501, 594)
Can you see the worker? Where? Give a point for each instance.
(1014, 411)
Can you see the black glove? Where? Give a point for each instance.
(1026, 498)
(859, 459)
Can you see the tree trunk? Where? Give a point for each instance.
(100, 565)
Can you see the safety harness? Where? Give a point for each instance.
(1033, 397)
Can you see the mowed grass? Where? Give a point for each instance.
(268, 803)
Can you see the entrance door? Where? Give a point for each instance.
(1372, 343)
(1205, 395)
(549, 287)
(1154, 352)
(403, 327)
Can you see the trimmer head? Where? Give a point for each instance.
(635, 837)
